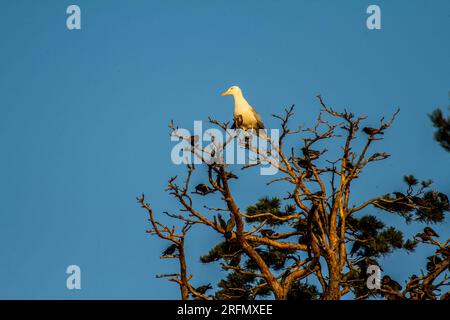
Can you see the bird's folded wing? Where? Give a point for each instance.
(259, 122)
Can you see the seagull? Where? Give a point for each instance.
(245, 116)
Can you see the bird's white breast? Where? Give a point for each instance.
(242, 108)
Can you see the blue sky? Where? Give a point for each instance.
(84, 115)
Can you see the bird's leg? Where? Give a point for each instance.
(246, 140)
(264, 142)
(257, 149)
(251, 135)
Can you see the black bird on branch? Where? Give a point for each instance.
(310, 154)
(267, 233)
(317, 195)
(309, 173)
(371, 131)
(349, 166)
(413, 277)
(230, 175)
(229, 227)
(430, 232)
(399, 195)
(427, 234)
(366, 262)
(170, 250)
(423, 236)
(304, 162)
(204, 288)
(222, 222)
(386, 281)
(234, 262)
(203, 189)
(432, 263)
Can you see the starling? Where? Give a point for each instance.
(248, 295)
(229, 228)
(349, 166)
(230, 175)
(423, 236)
(392, 284)
(364, 263)
(310, 154)
(430, 232)
(170, 250)
(203, 189)
(230, 224)
(399, 195)
(266, 232)
(222, 222)
(303, 163)
(371, 131)
(234, 262)
(309, 174)
(203, 289)
(302, 240)
(318, 194)
(433, 261)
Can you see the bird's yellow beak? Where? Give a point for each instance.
(225, 93)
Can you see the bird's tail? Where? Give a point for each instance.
(261, 133)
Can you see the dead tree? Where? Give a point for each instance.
(322, 233)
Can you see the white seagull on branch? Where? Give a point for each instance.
(245, 116)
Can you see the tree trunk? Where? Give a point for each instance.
(332, 291)
(184, 281)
